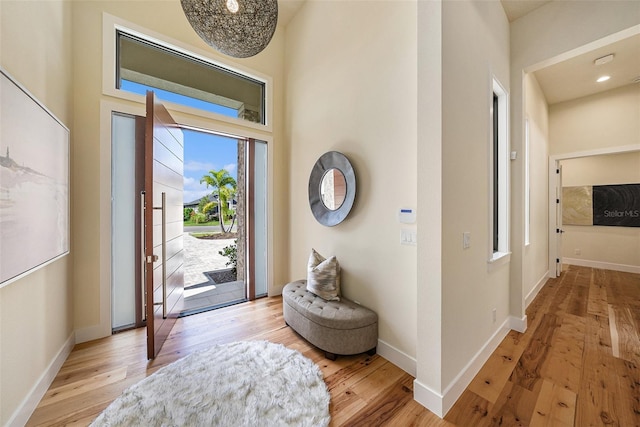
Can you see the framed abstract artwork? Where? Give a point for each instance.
(577, 205)
(34, 183)
(616, 205)
(604, 205)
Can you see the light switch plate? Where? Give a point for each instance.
(408, 237)
(466, 240)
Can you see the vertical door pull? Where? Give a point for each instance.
(143, 250)
(164, 255)
(154, 258)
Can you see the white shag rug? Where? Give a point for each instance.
(248, 383)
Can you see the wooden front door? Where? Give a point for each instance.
(164, 275)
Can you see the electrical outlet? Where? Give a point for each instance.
(578, 252)
(494, 313)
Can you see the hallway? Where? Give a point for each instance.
(576, 365)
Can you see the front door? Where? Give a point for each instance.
(163, 241)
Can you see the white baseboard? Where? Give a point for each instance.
(519, 325)
(397, 357)
(602, 265)
(91, 333)
(534, 292)
(430, 399)
(30, 402)
(440, 404)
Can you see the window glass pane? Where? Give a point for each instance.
(123, 237)
(496, 175)
(260, 217)
(164, 95)
(499, 146)
(527, 185)
(143, 64)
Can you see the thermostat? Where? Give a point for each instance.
(407, 215)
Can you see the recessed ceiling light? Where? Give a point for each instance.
(603, 79)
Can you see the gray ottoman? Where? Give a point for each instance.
(336, 327)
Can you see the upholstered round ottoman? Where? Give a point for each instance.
(336, 327)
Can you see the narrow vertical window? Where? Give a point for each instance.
(499, 174)
(496, 175)
(527, 184)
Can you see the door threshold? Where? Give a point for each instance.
(211, 307)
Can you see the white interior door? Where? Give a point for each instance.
(559, 230)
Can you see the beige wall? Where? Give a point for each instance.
(601, 121)
(91, 242)
(471, 288)
(429, 157)
(36, 311)
(351, 87)
(457, 288)
(536, 259)
(371, 97)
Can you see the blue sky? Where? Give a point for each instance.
(202, 151)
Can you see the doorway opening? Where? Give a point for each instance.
(224, 177)
(214, 237)
(577, 237)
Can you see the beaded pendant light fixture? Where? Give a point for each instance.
(238, 28)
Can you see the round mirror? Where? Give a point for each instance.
(332, 188)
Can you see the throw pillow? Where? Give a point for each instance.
(323, 276)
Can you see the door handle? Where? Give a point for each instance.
(150, 259)
(163, 209)
(143, 252)
(164, 255)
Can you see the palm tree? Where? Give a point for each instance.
(228, 194)
(219, 181)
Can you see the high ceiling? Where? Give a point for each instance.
(570, 79)
(518, 8)
(286, 10)
(513, 8)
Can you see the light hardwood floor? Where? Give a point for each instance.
(576, 365)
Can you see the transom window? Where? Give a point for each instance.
(180, 78)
